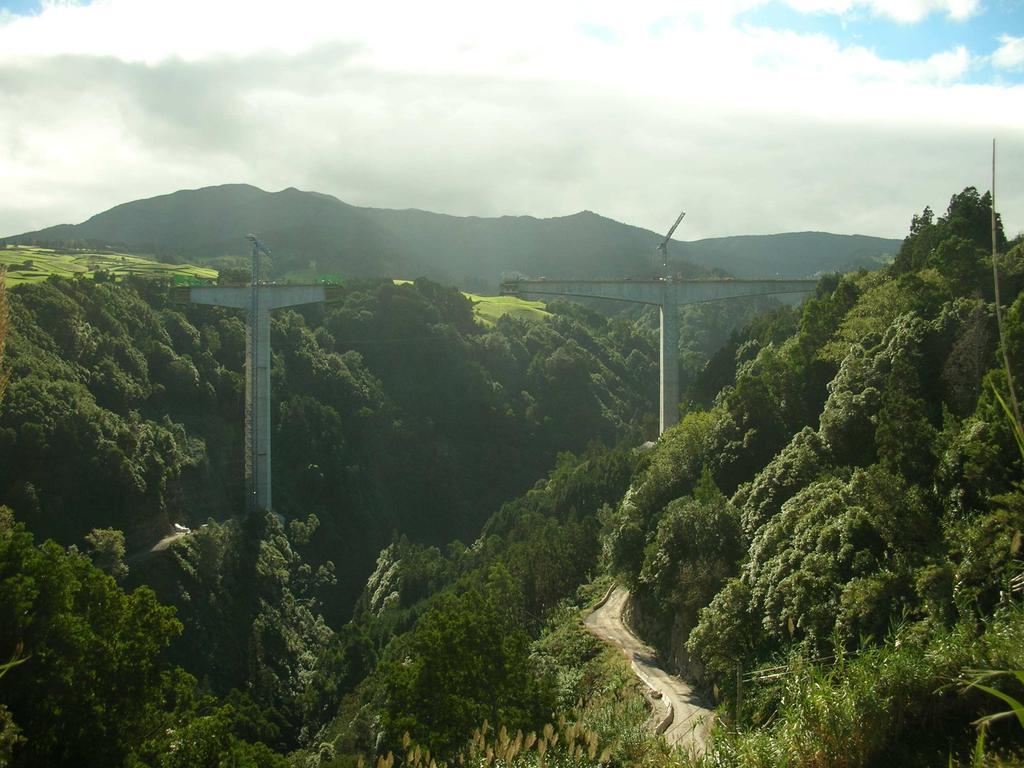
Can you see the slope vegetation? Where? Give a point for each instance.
(829, 543)
(841, 528)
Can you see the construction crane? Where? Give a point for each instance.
(663, 246)
(257, 248)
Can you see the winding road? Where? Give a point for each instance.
(680, 714)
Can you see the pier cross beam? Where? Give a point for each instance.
(667, 294)
(259, 304)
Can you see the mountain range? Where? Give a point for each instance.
(312, 233)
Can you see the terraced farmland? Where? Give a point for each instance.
(29, 264)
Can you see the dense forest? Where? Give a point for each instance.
(864, 550)
(836, 524)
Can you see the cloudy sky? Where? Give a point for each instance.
(838, 115)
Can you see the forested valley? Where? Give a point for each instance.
(836, 523)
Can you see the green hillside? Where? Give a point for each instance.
(829, 545)
(312, 233)
(791, 254)
(30, 264)
(488, 309)
(831, 549)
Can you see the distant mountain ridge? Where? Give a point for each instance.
(313, 233)
(791, 254)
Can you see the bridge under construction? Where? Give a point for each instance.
(668, 294)
(259, 299)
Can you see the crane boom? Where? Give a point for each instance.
(258, 246)
(663, 245)
(669, 235)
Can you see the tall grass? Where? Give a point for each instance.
(564, 744)
(893, 704)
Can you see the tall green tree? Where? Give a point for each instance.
(467, 661)
(105, 546)
(10, 733)
(92, 686)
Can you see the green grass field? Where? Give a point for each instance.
(29, 264)
(488, 309)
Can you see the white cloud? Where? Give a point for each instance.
(904, 11)
(469, 110)
(1010, 54)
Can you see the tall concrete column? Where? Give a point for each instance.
(669, 360)
(257, 411)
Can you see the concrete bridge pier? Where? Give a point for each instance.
(257, 411)
(669, 358)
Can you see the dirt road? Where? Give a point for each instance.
(688, 720)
